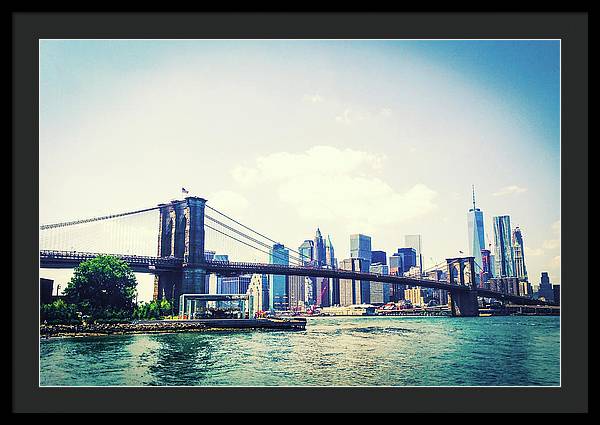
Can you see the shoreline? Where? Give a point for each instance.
(167, 326)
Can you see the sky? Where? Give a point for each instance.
(384, 138)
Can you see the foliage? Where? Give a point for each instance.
(153, 310)
(59, 312)
(103, 287)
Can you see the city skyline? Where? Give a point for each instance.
(351, 136)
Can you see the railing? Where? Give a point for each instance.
(266, 268)
(130, 259)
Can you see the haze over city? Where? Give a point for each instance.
(384, 138)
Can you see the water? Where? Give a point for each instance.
(395, 351)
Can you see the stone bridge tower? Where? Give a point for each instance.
(181, 235)
(461, 271)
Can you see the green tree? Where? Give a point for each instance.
(153, 310)
(59, 312)
(102, 286)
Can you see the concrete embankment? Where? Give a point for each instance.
(167, 326)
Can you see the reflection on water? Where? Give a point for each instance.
(397, 351)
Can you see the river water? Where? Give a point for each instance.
(332, 351)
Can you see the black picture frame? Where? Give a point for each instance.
(571, 28)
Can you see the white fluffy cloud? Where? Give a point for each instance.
(325, 183)
(510, 190)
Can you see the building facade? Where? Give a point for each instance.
(259, 292)
(519, 253)
(360, 246)
(278, 284)
(378, 257)
(354, 291)
(504, 256)
(415, 242)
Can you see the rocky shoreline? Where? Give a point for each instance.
(165, 326)
(48, 331)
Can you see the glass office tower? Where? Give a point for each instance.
(476, 234)
(278, 288)
(504, 257)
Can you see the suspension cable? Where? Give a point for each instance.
(252, 230)
(247, 244)
(89, 220)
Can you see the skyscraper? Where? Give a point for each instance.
(504, 257)
(330, 253)
(476, 234)
(402, 261)
(306, 251)
(278, 288)
(319, 253)
(296, 292)
(545, 290)
(354, 291)
(360, 247)
(415, 242)
(378, 257)
(519, 250)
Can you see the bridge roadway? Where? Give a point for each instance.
(147, 264)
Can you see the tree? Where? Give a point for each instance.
(101, 285)
(59, 312)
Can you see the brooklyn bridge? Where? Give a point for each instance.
(189, 228)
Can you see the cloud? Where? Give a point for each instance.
(510, 190)
(533, 252)
(228, 201)
(556, 226)
(325, 183)
(386, 112)
(551, 244)
(314, 98)
(555, 262)
(344, 117)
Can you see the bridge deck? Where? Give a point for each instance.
(146, 264)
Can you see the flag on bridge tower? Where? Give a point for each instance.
(184, 190)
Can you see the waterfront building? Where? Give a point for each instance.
(415, 295)
(322, 291)
(296, 293)
(334, 291)
(233, 284)
(476, 234)
(378, 257)
(278, 284)
(376, 287)
(519, 251)
(415, 242)
(360, 246)
(221, 257)
(258, 289)
(525, 288)
(556, 289)
(46, 287)
(354, 291)
(545, 289)
(209, 255)
(505, 263)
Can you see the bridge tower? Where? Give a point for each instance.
(461, 271)
(181, 235)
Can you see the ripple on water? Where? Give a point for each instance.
(332, 351)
